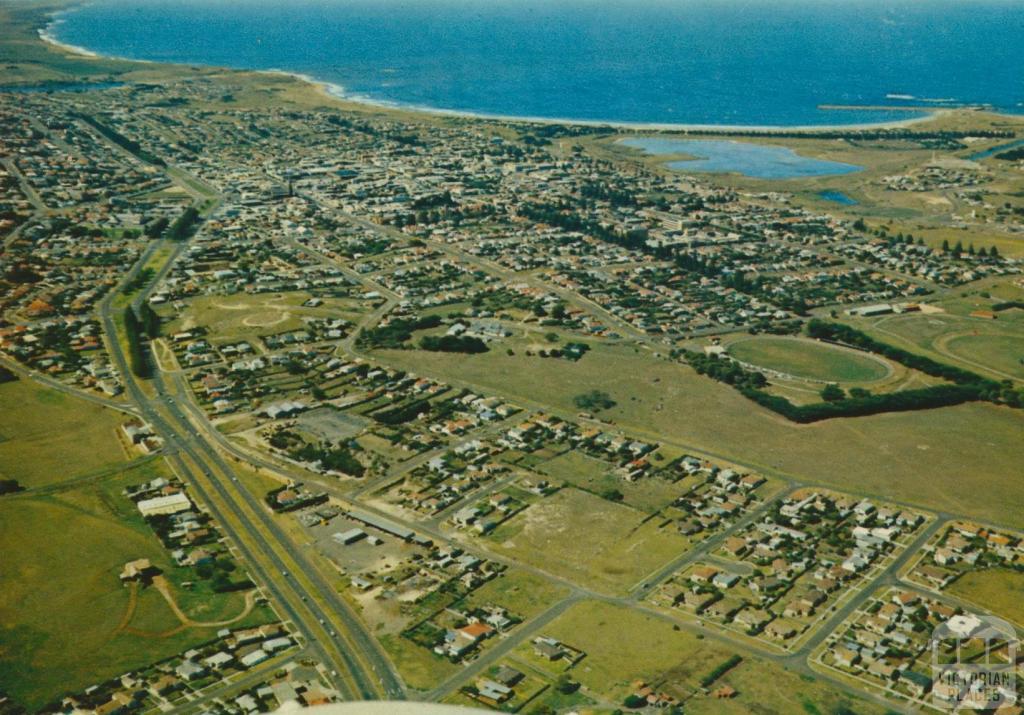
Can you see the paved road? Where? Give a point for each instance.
(300, 606)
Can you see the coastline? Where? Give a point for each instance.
(337, 92)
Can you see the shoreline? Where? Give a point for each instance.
(337, 92)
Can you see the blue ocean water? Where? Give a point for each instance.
(761, 161)
(734, 62)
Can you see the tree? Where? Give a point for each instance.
(945, 246)
(9, 486)
(594, 400)
(833, 393)
(634, 701)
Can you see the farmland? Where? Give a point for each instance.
(62, 597)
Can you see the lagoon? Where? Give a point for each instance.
(759, 161)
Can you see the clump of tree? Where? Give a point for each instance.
(134, 332)
(395, 333)
(156, 228)
(453, 344)
(335, 458)
(10, 486)
(184, 225)
(720, 670)
(594, 400)
(150, 320)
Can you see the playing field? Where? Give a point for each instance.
(66, 621)
(1002, 352)
(598, 543)
(48, 436)
(809, 359)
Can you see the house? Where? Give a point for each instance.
(219, 661)
(170, 504)
(845, 657)
(253, 658)
(918, 683)
(725, 580)
(882, 669)
(703, 574)
(138, 570)
(507, 676)
(463, 639)
(548, 648)
(753, 618)
(735, 546)
(190, 670)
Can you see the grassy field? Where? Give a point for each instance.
(998, 590)
(808, 359)
(624, 645)
(768, 689)
(522, 593)
(593, 475)
(63, 612)
(242, 317)
(928, 458)
(47, 436)
(419, 668)
(991, 347)
(1002, 352)
(618, 549)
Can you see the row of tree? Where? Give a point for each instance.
(135, 332)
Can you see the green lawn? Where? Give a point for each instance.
(61, 604)
(808, 359)
(47, 436)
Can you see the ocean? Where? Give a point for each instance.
(704, 62)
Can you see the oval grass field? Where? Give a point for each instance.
(809, 359)
(1002, 352)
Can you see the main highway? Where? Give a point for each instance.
(354, 663)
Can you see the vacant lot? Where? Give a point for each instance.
(623, 645)
(809, 359)
(596, 476)
(65, 619)
(598, 543)
(768, 689)
(47, 436)
(522, 593)
(998, 590)
(929, 458)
